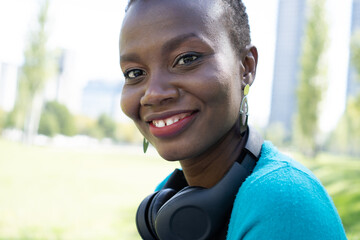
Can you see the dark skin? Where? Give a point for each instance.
(180, 64)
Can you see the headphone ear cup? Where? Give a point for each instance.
(169, 225)
(142, 222)
(157, 202)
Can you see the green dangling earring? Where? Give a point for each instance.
(244, 111)
(145, 145)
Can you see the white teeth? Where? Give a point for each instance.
(159, 123)
(169, 121)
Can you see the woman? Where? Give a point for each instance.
(188, 66)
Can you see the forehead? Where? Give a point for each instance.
(199, 7)
(156, 19)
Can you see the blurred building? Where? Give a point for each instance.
(353, 85)
(100, 97)
(8, 85)
(290, 29)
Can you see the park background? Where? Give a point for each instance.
(71, 164)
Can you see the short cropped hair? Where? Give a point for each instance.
(236, 21)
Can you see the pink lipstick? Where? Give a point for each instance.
(171, 126)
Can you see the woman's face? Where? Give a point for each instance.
(182, 75)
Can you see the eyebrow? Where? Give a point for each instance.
(132, 57)
(176, 41)
(168, 46)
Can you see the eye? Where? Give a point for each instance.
(187, 59)
(134, 73)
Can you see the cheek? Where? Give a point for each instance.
(220, 88)
(130, 103)
(224, 103)
(230, 85)
(224, 100)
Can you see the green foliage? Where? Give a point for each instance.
(128, 132)
(104, 126)
(95, 132)
(49, 125)
(39, 65)
(38, 60)
(276, 133)
(312, 76)
(107, 126)
(346, 136)
(56, 118)
(355, 52)
(2, 119)
(87, 126)
(15, 118)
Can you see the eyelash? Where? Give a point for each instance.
(135, 71)
(179, 61)
(184, 56)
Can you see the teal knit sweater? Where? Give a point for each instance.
(282, 200)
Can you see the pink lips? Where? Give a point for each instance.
(173, 129)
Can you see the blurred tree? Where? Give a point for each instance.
(107, 126)
(38, 66)
(88, 126)
(355, 53)
(128, 132)
(49, 125)
(352, 116)
(2, 119)
(312, 77)
(346, 137)
(94, 131)
(276, 133)
(83, 124)
(353, 107)
(56, 118)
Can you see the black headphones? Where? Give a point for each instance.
(181, 212)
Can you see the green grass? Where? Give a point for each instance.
(52, 193)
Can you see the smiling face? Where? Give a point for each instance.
(183, 78)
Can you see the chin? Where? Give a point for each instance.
(177, 153)
(170, 156)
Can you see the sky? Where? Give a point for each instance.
(90, 30)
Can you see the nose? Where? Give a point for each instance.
(159, 90)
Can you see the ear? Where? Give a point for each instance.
(249, 61)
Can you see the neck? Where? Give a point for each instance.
(209, 168)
